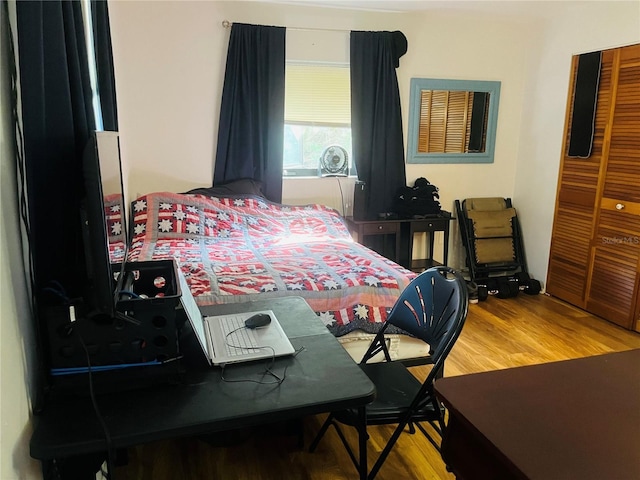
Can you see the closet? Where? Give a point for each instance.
(594, 260)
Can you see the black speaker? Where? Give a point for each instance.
(360, 201)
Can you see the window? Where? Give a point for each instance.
(91, 54)
(317, 115)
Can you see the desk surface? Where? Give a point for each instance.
(563, 420)
(321, 378)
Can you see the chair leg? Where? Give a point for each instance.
(437, 427)
(361, 427)
(429, 437)
(344, 441)
(321, 433)
(362, 442)
(387, 449)
(438, 407)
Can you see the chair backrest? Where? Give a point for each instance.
(433, 307)
(491, 220)
(486, 204)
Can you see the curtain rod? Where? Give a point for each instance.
(228, 24)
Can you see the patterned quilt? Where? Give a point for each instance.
(113, 209)
(246, 248)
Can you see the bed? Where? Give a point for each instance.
(241, 247)
(116, 235)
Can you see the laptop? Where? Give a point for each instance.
(230, 341)
(225, 339)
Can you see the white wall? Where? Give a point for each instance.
(578, 27)
(16, 320)
(471, 46)
(168, 69)
(169, 64)
(170, 58)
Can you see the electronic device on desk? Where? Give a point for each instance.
(122, 330)
(237, 337)
(360, 200)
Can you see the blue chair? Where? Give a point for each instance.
(432, 308)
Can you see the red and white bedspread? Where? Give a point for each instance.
(113, 210)
(246, 248)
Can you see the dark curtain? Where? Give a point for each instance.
(104, 64)
(57, 117)
(376, 119)
(251, 130)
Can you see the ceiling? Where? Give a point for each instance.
(535, 8)
(373, 5)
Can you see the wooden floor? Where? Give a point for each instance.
(498, 334)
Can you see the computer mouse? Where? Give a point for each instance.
(257, 320)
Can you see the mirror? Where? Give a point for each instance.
(112, 189)
(452, 121)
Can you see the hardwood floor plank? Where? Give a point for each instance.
(499, 333)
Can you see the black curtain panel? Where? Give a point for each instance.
(57, 117)
(376, 118)
(251, 130)
(104, 64)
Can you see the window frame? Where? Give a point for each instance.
(307, 172)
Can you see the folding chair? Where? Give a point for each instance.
(433, 308)
(492, 239)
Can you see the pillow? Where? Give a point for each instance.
(243, 186)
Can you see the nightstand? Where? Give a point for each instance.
(429, 225)
(402, 231)
(366, 228)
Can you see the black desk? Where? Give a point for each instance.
(321, 378)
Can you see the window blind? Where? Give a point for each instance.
(317, 94)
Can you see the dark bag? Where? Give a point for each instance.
(416, 201)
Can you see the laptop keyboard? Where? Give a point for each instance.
(242, 337)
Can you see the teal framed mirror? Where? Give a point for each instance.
(452, 121)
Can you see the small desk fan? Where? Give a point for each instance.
(334, 162)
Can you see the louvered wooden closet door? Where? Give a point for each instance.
(594, 260)
(616, 247)
(574, 221)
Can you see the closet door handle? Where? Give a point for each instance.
(619, 206)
